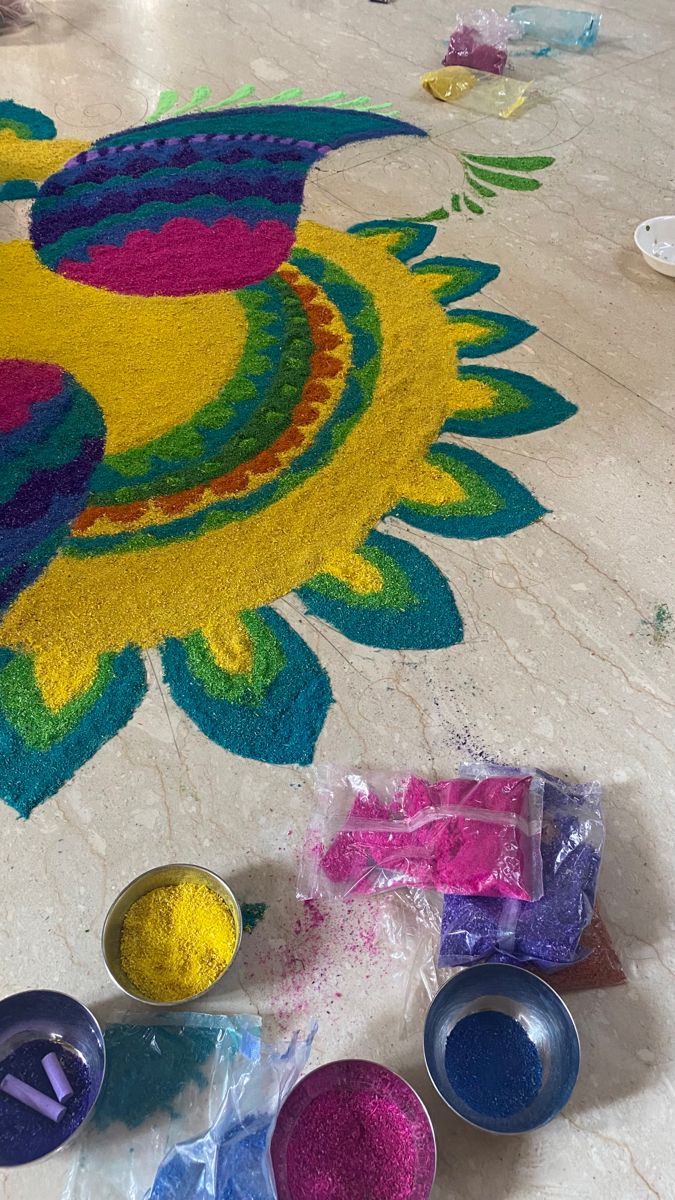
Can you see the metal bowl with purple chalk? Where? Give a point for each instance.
(52, 1063)
(356, 1129)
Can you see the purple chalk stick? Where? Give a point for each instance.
(32, 1098)
(57, 1077)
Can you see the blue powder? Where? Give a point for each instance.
(235, 1163)
(26, 1135)
(492, 1064)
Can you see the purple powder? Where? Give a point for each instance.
(548, 931)
(26, 1135)
(467, 48)
(351, 1146)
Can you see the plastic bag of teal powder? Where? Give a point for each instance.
(231, 1161)
(165, 1081)
(461, 836)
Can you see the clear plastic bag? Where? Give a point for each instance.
(457, 835)
(411, 923)
(546, 932)
(479, 40)
(558, 26)
(14, 14)
(481, 92)
(165, 1081)
(231, 1161)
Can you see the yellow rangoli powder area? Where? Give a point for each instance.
(177, 940)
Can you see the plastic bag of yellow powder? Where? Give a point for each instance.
(479, 91)
(165, 1082)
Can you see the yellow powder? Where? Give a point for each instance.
(176, 941)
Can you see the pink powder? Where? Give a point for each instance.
(474, 855)
(184, 257)
(351, 1146)
(23, 384)
(303, 957)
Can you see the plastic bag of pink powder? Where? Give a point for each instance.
(479, 41)
(461, 836)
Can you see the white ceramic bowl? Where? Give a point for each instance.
(655, 238)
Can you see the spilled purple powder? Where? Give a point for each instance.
(26, 1135)
(351, 1146)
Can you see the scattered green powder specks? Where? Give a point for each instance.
(251, 914)
(660, 627)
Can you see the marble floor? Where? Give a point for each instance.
(567, 660)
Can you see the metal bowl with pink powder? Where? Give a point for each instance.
(353, 1130)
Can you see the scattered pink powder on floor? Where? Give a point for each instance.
(351, 1146)
(300, 959)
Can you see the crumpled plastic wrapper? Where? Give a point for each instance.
(481, 92)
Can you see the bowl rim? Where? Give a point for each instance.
(369, 1062)
(206, 871)
(649, 221)
(537, 980)
(85, 1120)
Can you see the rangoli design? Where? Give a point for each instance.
(207, 404)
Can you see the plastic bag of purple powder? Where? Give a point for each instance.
(469, 837)
(479, 41)
(548, 932)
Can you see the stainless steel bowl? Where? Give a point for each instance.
(58, 1018)
(158, 877)
(546, 1020)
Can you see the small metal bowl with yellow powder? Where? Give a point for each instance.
(171, 934)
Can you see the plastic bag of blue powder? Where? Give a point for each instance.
(545, 932)
(165, 1080)
(231, 1161)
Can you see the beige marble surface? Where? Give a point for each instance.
(560, 663)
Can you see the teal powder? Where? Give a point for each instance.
(251, 914)
(147, 1068)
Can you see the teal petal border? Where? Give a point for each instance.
(31, 776)
(545, 408)
(514, 331)
(431, 622)
(520, 507)
(284, 726)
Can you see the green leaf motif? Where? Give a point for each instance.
(511, 162)
(472, 206)
(479, 188)
(165, 103)
(515, 183)
(437, 214)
